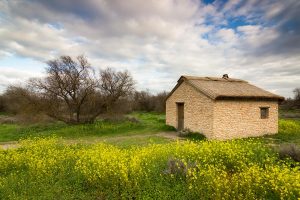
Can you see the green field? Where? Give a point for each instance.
(134, 129)
(237, 169)
(136, 124)
(139, 157)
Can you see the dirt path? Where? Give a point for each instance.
(92, 140)
(170, 135)
(8, 145)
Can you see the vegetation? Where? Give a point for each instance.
(238, 169)
(289, 132)
(292, 103)
(74, 92)
(89, 148)
(130, 160)
(290, 151)
(145, 101)
(71, 91)
(289, 114)
(136, 123)
(145, 166)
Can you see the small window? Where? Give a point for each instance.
(264, 112)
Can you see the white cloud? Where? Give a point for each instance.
(9, 76)
(156, 40)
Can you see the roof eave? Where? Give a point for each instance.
(274, 98)
(180, 80)
(184, 79)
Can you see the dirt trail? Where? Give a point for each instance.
(168, 135)
(9, 145)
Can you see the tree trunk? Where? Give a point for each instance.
(78, 116)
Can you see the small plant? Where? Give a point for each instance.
(179, 167)
(186, 133)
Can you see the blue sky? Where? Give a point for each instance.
(157, 41)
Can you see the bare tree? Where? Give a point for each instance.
(297, 93)
(297, 97)
(115, 85)
(20, 100)
(160, 102)
(2, 103)
(145, 101)
(72, 93)
(69, 85)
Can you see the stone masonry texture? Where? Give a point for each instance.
(198, 109)
(221, 119)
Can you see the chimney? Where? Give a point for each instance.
(225, 76)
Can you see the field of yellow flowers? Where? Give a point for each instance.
(45, 168)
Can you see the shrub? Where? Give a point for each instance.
(289, 151)
(186, 133)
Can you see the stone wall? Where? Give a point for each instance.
(241, 118)
(221, 119)
(198, 110)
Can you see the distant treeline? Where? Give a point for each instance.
(74, 93)
(292, 103)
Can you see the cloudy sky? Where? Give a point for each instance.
(156, 40)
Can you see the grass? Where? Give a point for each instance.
(148, 123)
(3, 114)
(114, 132)
(289, 132)
(136, 141)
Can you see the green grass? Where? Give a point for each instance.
(136, 141)
(121, 141)
(289, 132)
(148, 123)
(3, 114)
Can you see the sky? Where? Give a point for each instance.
(157, 41)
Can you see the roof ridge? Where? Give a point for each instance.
(210, 78)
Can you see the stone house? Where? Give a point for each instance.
(222, 108)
